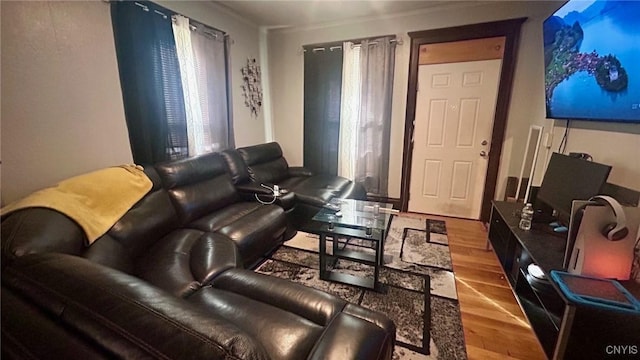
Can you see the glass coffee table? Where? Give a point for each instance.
(360, 220)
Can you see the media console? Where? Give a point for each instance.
(566, 330)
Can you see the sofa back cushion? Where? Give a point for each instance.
(265, 163)
(236, 165)
(146, 222)
(197, 185)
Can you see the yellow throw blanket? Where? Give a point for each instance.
(94, 200)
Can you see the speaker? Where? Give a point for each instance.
(616, 230)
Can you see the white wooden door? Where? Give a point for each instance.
(455, 108)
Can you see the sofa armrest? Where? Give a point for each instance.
(248, 192)
(349, 331)
(39, 230)
(314, 305)
(295, 171)
(254, 188)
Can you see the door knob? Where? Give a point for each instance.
(484, 142)
(483, 153)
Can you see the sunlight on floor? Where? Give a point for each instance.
(492, 302)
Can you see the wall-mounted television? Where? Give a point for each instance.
(592, 61)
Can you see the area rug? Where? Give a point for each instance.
(419, 292)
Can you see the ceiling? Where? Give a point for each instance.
(288, 13)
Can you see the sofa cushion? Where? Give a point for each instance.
(110, 252)
(261, 153)
(187, 259)
(265, 163)
(292, 182)
(314, 305)
(268, 324)
(218, 219)
(270, 309)
(236, 165)
(121, 314)
(316, 325)
(354, 191)
(317, 190)
(256, 229)
(271, 172)
(149, 220)
(198, 185)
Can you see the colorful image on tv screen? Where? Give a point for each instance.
(592, 61)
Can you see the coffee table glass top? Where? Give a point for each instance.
(356, 214)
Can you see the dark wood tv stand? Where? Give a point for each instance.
(566, 330)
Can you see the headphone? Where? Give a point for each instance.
(616, 230)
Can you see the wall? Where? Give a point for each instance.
(246, 44)
(62, 111)
(527, 105)
(614, 144)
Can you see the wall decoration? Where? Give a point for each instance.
(251, 88)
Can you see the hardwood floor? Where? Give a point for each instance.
(494, 325)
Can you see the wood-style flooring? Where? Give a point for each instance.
(494, 325)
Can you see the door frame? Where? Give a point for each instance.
(510, 29)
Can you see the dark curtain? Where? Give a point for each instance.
(150, 81)
(322, 92)
(227, 65)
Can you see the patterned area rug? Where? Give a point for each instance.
(419, 286)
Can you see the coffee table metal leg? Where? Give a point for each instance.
(323, 256)
(381, 248)
(378, 264)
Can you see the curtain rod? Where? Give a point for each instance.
(339, 47)
(192, 27)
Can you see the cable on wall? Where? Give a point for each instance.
(563, 144)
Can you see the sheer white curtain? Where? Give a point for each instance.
(377, 59)
(202, 56)
(195, 123)
(365, 118)
(349, 110)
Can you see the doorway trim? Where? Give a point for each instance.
(510, 29)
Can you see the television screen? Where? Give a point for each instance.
(592, 61)
(569, 178)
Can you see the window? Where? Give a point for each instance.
(201, 51)
(365, 82)
(175, 97)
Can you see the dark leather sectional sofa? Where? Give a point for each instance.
(264, 164)
(171, 279)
